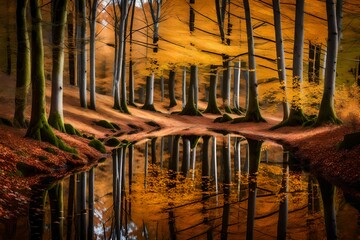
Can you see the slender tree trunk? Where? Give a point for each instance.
(131, 64)
(339, 18)
(212, 105)
(22, 65)
(226, 84)
(252, 112)
(186, 157)
(70, 31)
(183, 87)
(162, 88)
(172, 89)
(70, 211)
(280, 56)
(327, 111)
(92, 24)
(58, 19)
(81, 50)
(90, 233)
(236, 95)
(124, 20)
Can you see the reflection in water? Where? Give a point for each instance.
(238, 189)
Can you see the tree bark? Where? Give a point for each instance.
(252, 112)
(81, 50)
(22, 65)
(39, 127)
(149, 101)
(280, 57)
(92, 24)
(70, 31)
(296, 115)
(58, 20)
(327, 111)
(190, 107)
(172, 89)
(212, 104)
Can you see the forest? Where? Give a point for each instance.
(180, 119)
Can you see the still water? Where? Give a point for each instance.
(190, 187)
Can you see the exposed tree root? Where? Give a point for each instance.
(190, 111)
(224, 118)
(56, 122)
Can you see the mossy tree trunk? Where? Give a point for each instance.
(172, 89)
(58, 20)
(212, 105)
(39, 127)
(22, 65)
(190, 107)
(280, 56)
(80, 6)
(327, 111)
(252, 112)
(93, 4)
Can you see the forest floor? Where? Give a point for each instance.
(316, 147)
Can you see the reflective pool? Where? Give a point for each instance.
(189, 187)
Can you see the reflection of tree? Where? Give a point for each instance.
(254, 161)
(327, 195)
(283, 206)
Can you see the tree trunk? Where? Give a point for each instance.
(190, 108)
(22, 65)
(172, 89)
(131, 71)
(70, 31)
(327, 112)
(39, 127)
(252, 112)
(81, 50)
(280, 57)
(185, 167)
(149, 102)
(92, 24)
(296, 115)
(284, 200)
(183, 87)
(124, 18)
(58, 20)
(212, 105)
(339, 18)
(226, 84)
(236, 95)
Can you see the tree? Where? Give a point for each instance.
(39, 127)
(212, 105)
(149, 102)
(71, 44)
(93, 5)
(22, 64)
(131, 63)
(296, 116)
(252, 112)
(327, 112)
(58, 20)
(190, 107)
(80, 7)
(172, 89)
(280, 56)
